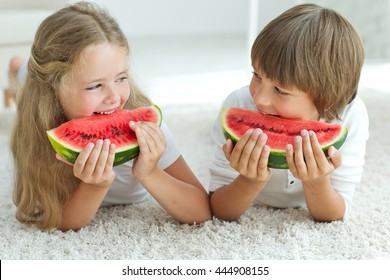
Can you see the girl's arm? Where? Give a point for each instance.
(179, 192)
(176, 188)
(94, 168)
(82, 206)
(249, 157)
(231, 201)
(308, 163)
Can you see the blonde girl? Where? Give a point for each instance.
(79, 67)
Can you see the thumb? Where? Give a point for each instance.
(334, 156)
(228, 148)
(62, 159)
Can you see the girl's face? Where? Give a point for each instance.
(99, 85)
(271, 99)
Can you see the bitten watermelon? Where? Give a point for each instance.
(71, 137)
(280, 132)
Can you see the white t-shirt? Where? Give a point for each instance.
(283, 190)
(126, 188)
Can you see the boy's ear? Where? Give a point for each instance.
(327, 108)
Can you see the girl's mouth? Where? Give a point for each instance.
(105, 112)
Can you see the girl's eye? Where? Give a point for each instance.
(94, 87)
(122, 79)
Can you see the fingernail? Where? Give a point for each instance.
(297, 139)
(303, 133)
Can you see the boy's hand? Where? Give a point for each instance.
(152, 144)
(306, 159)
(250, 155)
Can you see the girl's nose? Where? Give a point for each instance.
(111, 96)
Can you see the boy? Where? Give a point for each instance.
(307, 65)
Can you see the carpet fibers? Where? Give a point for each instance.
(145, 231)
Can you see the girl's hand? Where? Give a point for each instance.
(306, 159)
(152, 144)
(94, 163)
(250, 155)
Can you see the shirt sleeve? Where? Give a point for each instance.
(172, 151)
(345, 178)
(221, 173)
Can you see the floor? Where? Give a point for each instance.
(176, 71)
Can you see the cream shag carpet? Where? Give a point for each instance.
(146, 232)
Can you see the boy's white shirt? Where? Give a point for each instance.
(283, 190)
(126, 188)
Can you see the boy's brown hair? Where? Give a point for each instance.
(315, 50)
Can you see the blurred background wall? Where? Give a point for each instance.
(190, 43)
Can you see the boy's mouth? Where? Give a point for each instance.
(264, 113)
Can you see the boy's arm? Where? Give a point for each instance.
(308, 163)
(325, 204)
(249, 157)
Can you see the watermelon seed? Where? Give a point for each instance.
(115, 131)
(82, 135)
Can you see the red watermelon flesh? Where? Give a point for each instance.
(71, 137)
(280, 131)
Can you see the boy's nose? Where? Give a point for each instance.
(262, 96)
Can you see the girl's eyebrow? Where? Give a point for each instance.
(99, 79)
(122, 72)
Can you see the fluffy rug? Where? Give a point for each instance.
(146, 232)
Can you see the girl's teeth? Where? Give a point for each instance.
(106, 113)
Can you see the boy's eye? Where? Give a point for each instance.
(280, 92)
(256, 75)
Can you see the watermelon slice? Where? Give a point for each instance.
(71, 137)
(280, 132)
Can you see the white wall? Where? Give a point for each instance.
(145, 18)
(372, 21)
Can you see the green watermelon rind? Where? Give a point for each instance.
(122, 155)
(277, 158)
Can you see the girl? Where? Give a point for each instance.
(79, 67)
(307, 65)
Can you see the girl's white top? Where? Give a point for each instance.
(126, 188)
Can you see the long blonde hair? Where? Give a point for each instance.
(316, 50)
(42, 183)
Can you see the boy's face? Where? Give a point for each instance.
(100, 84)
(271, 99)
